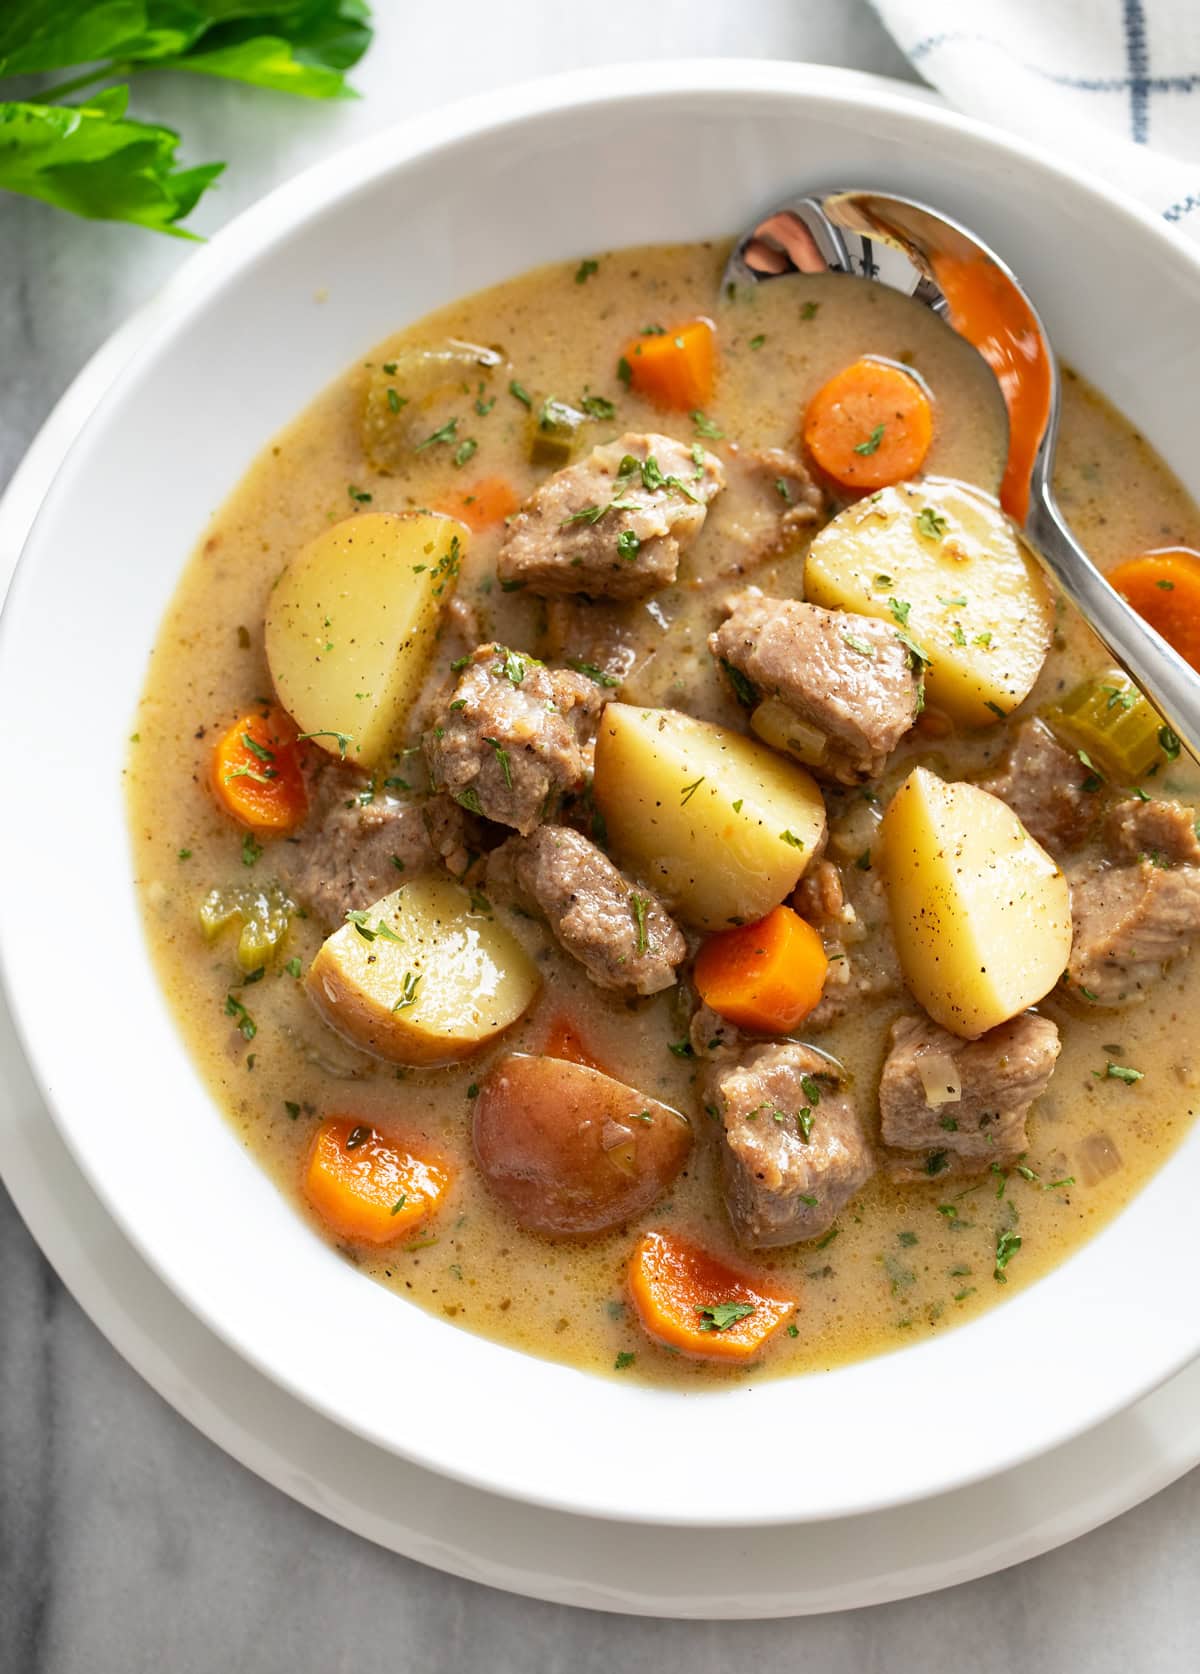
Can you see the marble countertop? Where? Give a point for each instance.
(127, 1541)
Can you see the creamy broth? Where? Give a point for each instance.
(903, 1261)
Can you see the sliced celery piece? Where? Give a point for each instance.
(554, 432)
(263, 915)
(1109, 719)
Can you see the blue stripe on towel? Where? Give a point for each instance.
(1138, 57)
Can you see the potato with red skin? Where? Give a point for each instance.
(570, 1151)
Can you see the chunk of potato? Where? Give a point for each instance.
(941, 559)
(569, 1150)
(981, 914)
(410, 398)
(716, 823)
(351, 622)
(420, 977)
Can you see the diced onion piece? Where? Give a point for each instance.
(1098, 1159)
(940, 1079)
(782, 729)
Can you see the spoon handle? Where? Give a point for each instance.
(1171, 684)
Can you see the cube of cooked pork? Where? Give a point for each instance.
(1043, 784)
(613, 525)
(848, 678)
(949, 1106)
(621, 934)
(794, 1152)
(511, 741)
(1138, 907)
(353, 849)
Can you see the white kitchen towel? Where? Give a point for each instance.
(1113, 85)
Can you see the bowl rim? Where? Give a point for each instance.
(234, 249)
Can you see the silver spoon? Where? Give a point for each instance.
(911, 248)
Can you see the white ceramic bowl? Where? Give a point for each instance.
(385, 232)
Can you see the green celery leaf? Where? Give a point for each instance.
(303, 50)
(294, 46)
(93, 161)
(48, 34)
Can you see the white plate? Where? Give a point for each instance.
(603, 1565)
(388, 229)
(569, 1560)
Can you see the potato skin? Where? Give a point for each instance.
(351, 622)
(980, 912)
(569, 1150)
(940, 558)
(716, 823)
(462, 977)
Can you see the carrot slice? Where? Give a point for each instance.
(869, 426)
(563, 1040)
(1164, 588)
(366, 1189)
(766, 976)
(256, 772)
(688, 1300)
(484, 504)
(675, 368)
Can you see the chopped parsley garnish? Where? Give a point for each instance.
(637, 906)
(293, 967)
(624, 371)
(394, 401)
(704, 426)
(758, 341)
(409, 984)
(721, 1315)
(398, 1205)
(465, 450)
(783, 490)
(1119, 1072)
(953, 604)
(184, 854)
(1094, 778)
(359, 494)
(1169, 742)
(585, 514)
(856, 643)
(871, 445)
(1007, 1245)
(344, 740)
(585, 270)
(247, 1027)
(502, 757)
(512, 667)
(628, 545)
(900, 609)
(598, 407)
(809, 310)
(520, 393)
(995, 708)
(935, 1162)
(681, 1048)
(251, 849)
(690, 790)
(985, 640)
(593, 673)
(469, 799)
(932, 525)
(743, 689)
(292, 1108)
(790, 838)
(804, 1123)
(957, 634)
(812, 1089)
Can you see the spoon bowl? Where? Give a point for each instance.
(912, 248)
